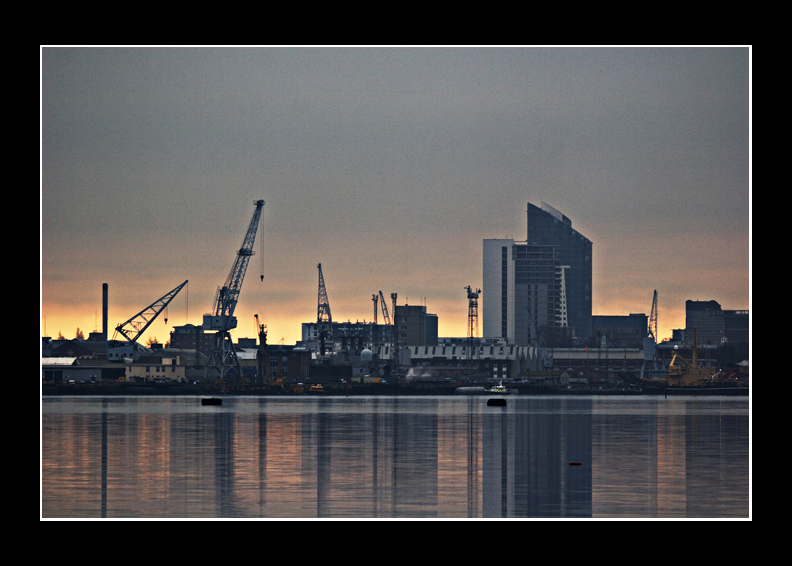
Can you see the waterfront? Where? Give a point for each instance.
(395, 457)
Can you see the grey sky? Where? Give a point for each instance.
(389, 166)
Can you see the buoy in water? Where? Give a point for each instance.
(496, 402)
(212, 401)
(574, 463)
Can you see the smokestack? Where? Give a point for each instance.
(104, 311)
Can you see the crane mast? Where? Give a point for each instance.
(394, 338)
(223, 356)
(385, 314)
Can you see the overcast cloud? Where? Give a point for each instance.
(389, 166)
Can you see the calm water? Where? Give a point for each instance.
(388, 457)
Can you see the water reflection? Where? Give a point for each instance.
(530, 450)
(389, 457)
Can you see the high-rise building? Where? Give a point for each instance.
(540, 285)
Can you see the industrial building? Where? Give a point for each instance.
(488, 360)
(620, 331)
(713, 324)
(192, 337)
(539, 288)
(414, 326)
(157, 369)
(346, 336)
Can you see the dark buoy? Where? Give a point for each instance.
(212, 401)
(574, 463)
(496, 402)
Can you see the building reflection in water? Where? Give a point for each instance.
(392, 457)
(671, 458)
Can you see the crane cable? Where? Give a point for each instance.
(261, 251)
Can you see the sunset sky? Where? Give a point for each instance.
(389, 166)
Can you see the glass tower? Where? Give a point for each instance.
(542, 283)
(548, 227)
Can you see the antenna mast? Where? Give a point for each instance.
(472, 317)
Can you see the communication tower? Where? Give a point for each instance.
(472, 331)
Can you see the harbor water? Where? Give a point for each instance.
(395, 457)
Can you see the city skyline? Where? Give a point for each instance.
(389, 166)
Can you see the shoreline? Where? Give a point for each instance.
(386, 389)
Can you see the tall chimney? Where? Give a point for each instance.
(104, 311)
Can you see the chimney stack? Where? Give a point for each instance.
(104, 311)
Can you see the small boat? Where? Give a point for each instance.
(212, 401)
(498, 389)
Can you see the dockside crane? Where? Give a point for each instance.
(222, 357)
(650, 363)
(653, 318)
(324, 320)
(133, 328)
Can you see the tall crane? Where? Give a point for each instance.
(133, 328)
(223, 356)
(653, 318)
(323, 309)
(324, 320)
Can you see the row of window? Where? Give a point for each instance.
(463, 349)
(160, 369)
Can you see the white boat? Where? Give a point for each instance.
(498, 389)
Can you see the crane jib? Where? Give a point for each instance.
(226, 301)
